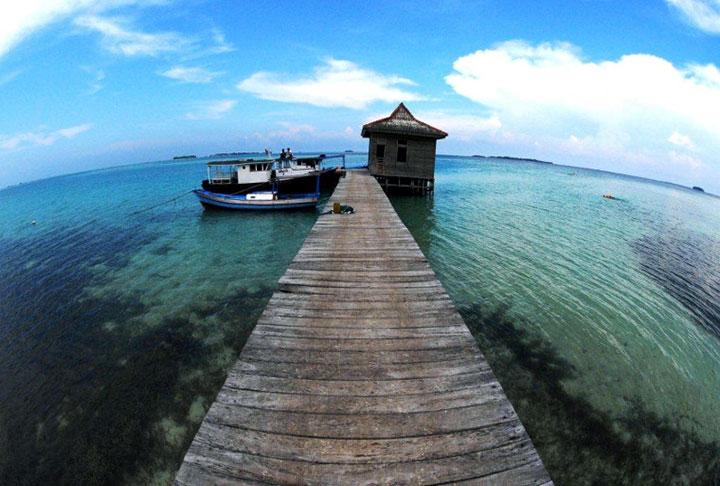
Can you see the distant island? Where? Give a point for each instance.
(232, 154)
(512, 159)
(182, 157)
(698, 188)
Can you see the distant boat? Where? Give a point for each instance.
(182, 157)
(698, 188)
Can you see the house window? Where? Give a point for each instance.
(380, 151)
(402, 151)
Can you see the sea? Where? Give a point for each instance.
(123, 304)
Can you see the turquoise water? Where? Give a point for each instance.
(600, 317)
(117, 328)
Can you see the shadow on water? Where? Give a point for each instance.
(579, 444)
(685, 268)
(85, 403)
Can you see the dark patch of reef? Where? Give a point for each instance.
(682, 264)
(580, 444)
(83, 403)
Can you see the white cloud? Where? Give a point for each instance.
(548, 96)
(337, 83)
(41, 138)
(681, 140)
(689, 161)
(190, 74)
(303, 132)
(19, 19)
(221, 44)
(119, 38)
(461, 126)
(211, 110)
(703, 14)
(97, 76)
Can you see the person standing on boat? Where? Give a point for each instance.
(282, 155)
(290, 155)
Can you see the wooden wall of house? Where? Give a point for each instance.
(420, 157)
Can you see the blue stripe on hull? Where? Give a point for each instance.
(207, 202)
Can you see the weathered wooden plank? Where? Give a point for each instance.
(364, 322)
(361, 372)
(377, 388)
(352, 296)
(339, 404)
(364, 425)
(531, 474)
(367, 286)
(428, 472)
(385, 300)
(362, 451)
(274, 343)
(359, 312)
(355, 333)
(357, 370)
(362, 293)
(256, 351)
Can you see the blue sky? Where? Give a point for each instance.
(632, 87)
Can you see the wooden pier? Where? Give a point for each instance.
(361, 372)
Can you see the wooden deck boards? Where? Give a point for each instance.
(361, 372)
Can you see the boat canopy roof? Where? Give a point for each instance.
(213, 163)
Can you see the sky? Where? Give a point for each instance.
(624, 86)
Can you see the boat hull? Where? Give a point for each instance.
(212, 200)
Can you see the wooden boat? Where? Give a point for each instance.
(260, 200)
(292, 176)
(274, 199)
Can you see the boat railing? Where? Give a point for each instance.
(335, 156)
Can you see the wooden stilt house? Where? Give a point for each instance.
(401, 154)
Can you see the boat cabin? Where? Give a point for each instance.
(239, 171)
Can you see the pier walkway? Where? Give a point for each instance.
(361, 372)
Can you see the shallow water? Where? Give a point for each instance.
(118, 328)
(599, 316)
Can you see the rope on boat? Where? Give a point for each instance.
(161, 204)
(188, 192)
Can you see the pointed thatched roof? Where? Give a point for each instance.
(402, 122)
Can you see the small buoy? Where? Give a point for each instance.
(34, 222)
